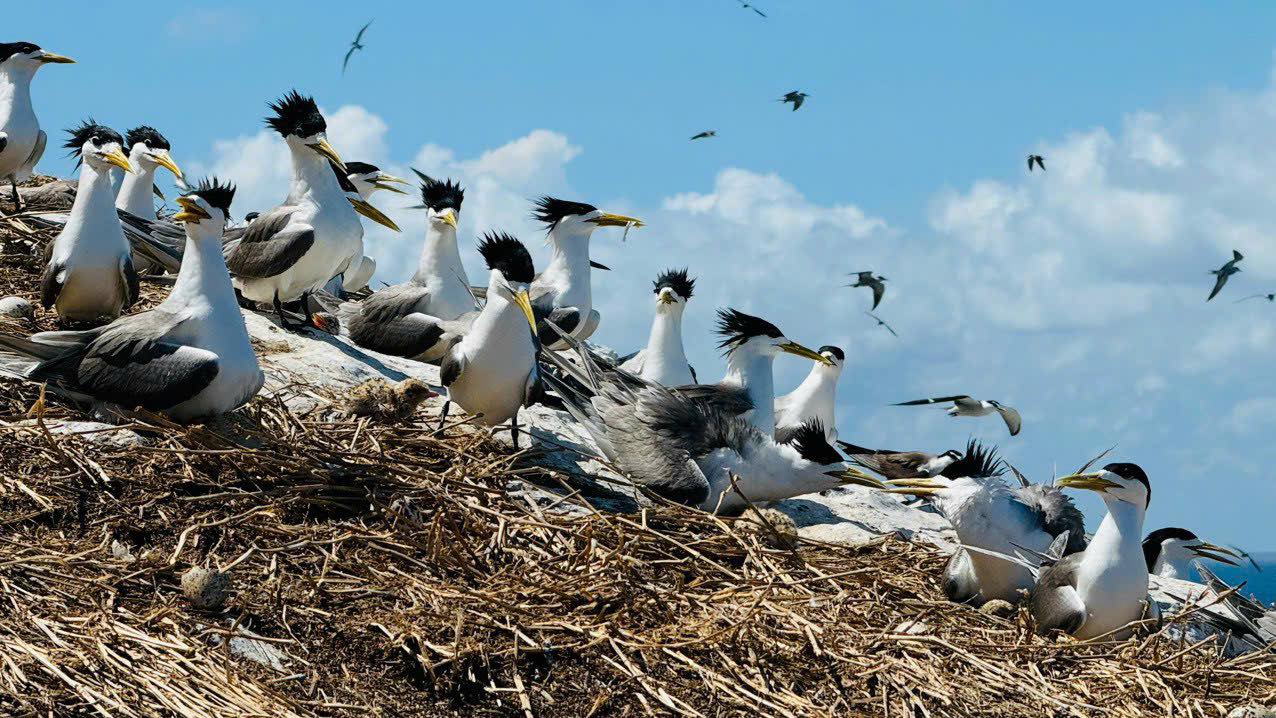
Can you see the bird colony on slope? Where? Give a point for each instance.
(519, 338)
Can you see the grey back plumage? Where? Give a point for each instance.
(1054, 603)
(1056, 513)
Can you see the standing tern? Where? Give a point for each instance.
(814, 398)
(689, 452)
(190, 357)
(148, 150)
(664, 360)
(877, 284)
(563, 292)
(21, 139)
(963, 405)
(402, 319)
(1099, 591)
(1169, 553)
(89, 275)
(357, 271)
(1224, 272)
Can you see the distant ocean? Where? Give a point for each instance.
(1260, 585)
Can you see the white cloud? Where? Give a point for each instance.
(204, 25)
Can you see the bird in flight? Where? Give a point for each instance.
(356, 45)
(1224, 272)
(706, 133)
(747, 6)
(1269, 297)
(878, 284)
(881, 323)
(797, 98)
(1038, 160)
(963, 405)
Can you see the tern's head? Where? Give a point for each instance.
(356, 200)
(511, 271)
(834, 359)
(368, 178)
(939, 464)
(672, 289)
(745, 333)
(1114, 482)
(563, 217)
(97, 146)
(441, 201)
(24, 58)
(297, 119)
(148, 149)
(1176, 546)
(206, 206)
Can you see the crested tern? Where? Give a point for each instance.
(795, 97)
(963, 405)
(1169, 553)
(1099, 591)
(877, 284)
(814, 398)
(89, 275)
(664, 360)
(1224, 272)
(22, 141)
(900, 464)
(403, 319)
(1037, 160)
(189, 358)
(563, 293)
(148, 150)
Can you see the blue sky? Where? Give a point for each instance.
(1076, 296)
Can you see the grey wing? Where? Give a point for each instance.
(632, 363)
(1218, 285)
(960, 583)
(132, 283)
(159, 241)
(269, 246)
(1055, 513)
(393, 302)
(565, 318)
(50, 283)
(1013, 421)
(935, 400)
(729, 399)
(452, 367)
(41, 141)
(1054, 603)
(879, 289)
(409, 336)
(693, 373)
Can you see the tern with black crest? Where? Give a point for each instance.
(22, 142)
(664, 360)
(900, 464)
(814, 398)
(1169, 553)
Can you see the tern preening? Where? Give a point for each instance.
(963, 405)
(795, 97)
(89, 275)
(1224, 272)
(1169, 553)
(356, 44)
(877, 284)
(22, 141)
(664, 360)
(189, 358)
(563, 293)
(1101, 590)
(900, 464)
(814, 398)
(402, 319)
(690, 452)
(705, 134)
(1037, 160)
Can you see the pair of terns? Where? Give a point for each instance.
(22, 142)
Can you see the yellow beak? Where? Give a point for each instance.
(1216, 553)
(191, 212)
(383, 181)
(56, 59)
(1092, 481)
(851, 475)
(372, 213)
(327, 150)
(524, 302)
(616, 220)
(117, 158)
(804, 352)
(915, 487)
(448, 216)
(163, 159)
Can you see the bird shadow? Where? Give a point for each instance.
(805, 512)
(349, 350)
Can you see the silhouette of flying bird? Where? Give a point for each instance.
(745, 5)
(878, 284)
(1224, 272)
(1038, 160)
(356, 45)
(1269, 297)
(963, 405)
(706, 133)
(881, 323)
(797, 98)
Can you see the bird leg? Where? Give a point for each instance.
(514, 430)
(17, 200)
(447, 405)
(284, 322)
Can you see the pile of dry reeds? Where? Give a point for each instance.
(384, 571)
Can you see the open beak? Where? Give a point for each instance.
(851, 475)
(191, 212)
(56, 59)
(1093, 481)
(666, 297)
(524, 302)
(327, 150)
(117, 158)
(387, 182)
(805, 352)
(1216, 553)
(448, 216)
(915, 487)
(607, 219)
(165, 160)
(372, 213)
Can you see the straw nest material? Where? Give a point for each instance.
(380, 570)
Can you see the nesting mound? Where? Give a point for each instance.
(380, 570)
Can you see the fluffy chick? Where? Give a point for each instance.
(387, 401)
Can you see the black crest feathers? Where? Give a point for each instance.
(296, 114)
(736, 328)
(549, 210)
(507, 255)
(148, 136)
(677, 280)
(215, 192)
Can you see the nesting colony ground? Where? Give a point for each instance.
(378, 570)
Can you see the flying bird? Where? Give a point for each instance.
(706, 133)
(1038, 160)
(356, 45)
(1224, 272)
(878, 284)
(963, 405)
(797, 98)
(881, 323)
(901, 464)
(746, 6)
(1269, 297)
